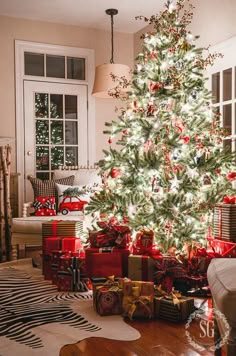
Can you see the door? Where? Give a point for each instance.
(56, 128)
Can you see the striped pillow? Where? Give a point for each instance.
(47, 188)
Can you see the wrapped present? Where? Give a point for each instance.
(112, 234)
(107, 298)
(168, 268)
(225, 220)
(65, 228)
(70, 279)
(173, 308)
(46, 266)
(51, 243)
(138, 299)
(141, 268)
(98, 266)
(65, 262)
(72, 244)
(104, 264)
(224, 248)
(143, 244)
(45, 206)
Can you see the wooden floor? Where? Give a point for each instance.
(158, 338)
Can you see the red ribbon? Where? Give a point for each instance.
(229, 200)
(54, 227)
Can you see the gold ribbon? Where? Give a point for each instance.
(174, 296)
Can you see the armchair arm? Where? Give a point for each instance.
(26, 207)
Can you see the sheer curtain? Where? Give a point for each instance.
(5, 206)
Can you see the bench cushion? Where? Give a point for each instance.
(221, 277)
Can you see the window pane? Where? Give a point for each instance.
(227, 118)
(71, 156)
(42, 158)
(42, 132)
(71, 133)
(71, 107)
(216, 87)
(56, 106)
(41, 105)
(42, 175)
(227, 84)
(76, 68)
(227, 145)
(34, 64)
(55, 66)
(56, 132)
(57, 154)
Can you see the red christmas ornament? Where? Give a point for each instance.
(110, 140)
(115, 173)
(218, 171)
(185, 138)
(231, 176)
(153, 87)
(153, 55)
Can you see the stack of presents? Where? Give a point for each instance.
(134, 278)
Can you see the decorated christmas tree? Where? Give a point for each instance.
(170, 168)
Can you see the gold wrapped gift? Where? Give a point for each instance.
(138, 300)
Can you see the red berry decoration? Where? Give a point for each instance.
(110, 140)
(115, 173)
(231, 176)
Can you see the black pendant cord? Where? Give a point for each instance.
(112, 12)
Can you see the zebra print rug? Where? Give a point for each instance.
(36, 319)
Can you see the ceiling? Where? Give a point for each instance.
(84, 13)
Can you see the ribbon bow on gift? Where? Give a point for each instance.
(175, 297)
(229, 200)
(111, 284)
(47, 205)
(138, 301)
(168, 266)
(77, 284)
(144, 244)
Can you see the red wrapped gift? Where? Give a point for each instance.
(47, 270)
(104, 264)
(51, 243)
(109, 252)
(65, 262)
(107, 298)
(141, 268)
(72, 244)
(45, 206)
(224, 248)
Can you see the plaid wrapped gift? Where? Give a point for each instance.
(65, 262)
(168, 268)
(107, 298)
(47, 268)
(172, 308)
(138, 299)
(112, 235)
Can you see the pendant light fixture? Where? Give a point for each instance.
(103, 81)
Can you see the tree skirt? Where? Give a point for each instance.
(36, 319)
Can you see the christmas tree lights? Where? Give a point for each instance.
(171, 168)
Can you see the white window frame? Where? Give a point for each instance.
(24, 46)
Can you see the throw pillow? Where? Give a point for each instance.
(47, 188)
(71, 199)
(83, 176)
(45, 206)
